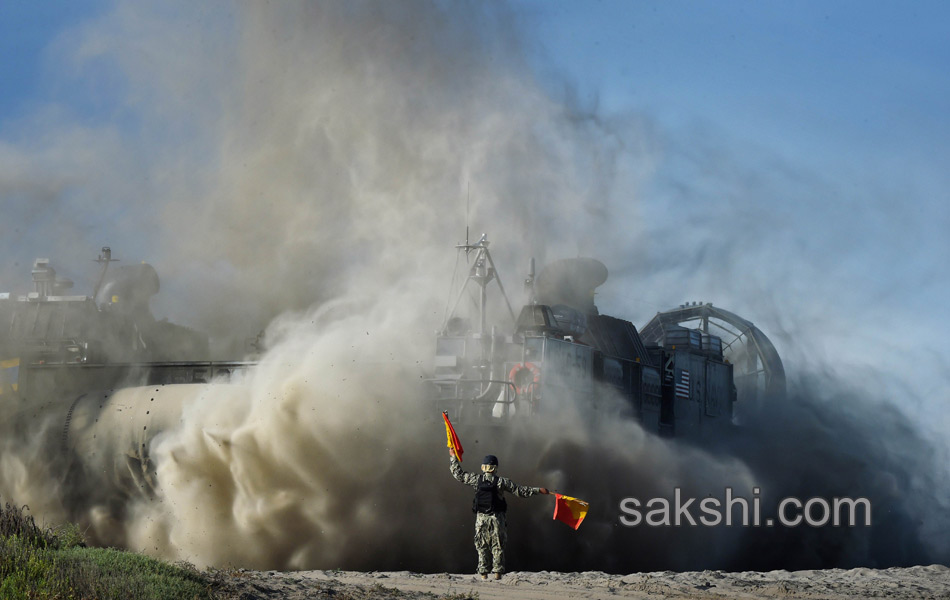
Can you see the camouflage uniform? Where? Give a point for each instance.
(491, 533)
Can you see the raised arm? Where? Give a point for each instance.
(457, 472)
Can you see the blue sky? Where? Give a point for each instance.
(842, 76)
(27, 30)
(788, 158)
(851, 78)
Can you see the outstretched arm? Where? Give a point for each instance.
(456, 469)
(522, 491)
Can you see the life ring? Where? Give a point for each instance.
(532, 385)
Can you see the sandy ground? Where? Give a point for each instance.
(914, 582)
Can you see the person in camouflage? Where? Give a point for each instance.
(490, 507)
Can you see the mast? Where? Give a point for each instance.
(481, 274)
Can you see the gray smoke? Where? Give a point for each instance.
(306, 168)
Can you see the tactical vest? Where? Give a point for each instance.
(488, 498)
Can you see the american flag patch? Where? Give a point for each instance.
(682, 387)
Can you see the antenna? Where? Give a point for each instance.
(468, 206)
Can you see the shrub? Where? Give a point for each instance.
(15, 522)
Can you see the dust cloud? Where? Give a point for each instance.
(309, 168)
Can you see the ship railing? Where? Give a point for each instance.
(466, 408)
(441, 384)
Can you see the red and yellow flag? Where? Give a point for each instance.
(454, 442)
(570, 510)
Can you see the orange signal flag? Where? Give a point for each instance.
(570, 510)
(453, 439)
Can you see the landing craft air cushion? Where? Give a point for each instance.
(561, 351)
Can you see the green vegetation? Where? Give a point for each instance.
(55, 564)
